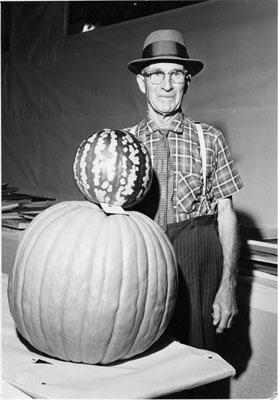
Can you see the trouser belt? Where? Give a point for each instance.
(193, 222)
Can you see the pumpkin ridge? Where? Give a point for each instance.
(108, 340)
(138, 235)
(144, 327)
(25, 244)
(84, 223)
(114, 324)
(131, 334)
(145, 297)
(98, 315)
(42, 330)
(84, 334)
(97, 236)
(76, 211)
(148, 237)
(168, 260)
(14, 282)
(23, 329)
(158, 244)
(45, 271)
(155, 232)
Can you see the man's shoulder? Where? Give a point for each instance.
(208, 129)
(138, 128)
(187, 121)
(211, 130)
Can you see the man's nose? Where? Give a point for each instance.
(167, 82)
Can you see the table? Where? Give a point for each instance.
(167, 367)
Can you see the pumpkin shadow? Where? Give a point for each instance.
(160, 344)
(32, 349)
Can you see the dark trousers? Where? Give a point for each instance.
(200, 263)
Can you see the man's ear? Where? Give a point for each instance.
(141, 83)
(185, 88)
(187, 83)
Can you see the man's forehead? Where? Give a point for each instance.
(163, 67)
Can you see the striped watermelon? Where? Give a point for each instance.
(113, 167)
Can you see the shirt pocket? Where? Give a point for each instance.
(189, 192)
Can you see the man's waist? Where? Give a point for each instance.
(203, 220)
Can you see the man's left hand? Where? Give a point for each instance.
(224, 308)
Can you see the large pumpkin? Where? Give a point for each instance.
(90, 287)
(113, 167)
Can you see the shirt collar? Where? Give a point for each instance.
(175, 126)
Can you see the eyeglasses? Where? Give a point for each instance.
(177, 76)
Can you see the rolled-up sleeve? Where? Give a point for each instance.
(226, 180)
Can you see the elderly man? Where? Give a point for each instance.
(191, 194)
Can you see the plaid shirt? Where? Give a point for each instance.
(185, 177)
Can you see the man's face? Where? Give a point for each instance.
(164, 98)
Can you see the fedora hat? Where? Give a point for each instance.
(166, 45)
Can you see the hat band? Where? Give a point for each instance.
(165, 48)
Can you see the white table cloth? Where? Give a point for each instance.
(166, 368)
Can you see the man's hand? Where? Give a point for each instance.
(224, 308)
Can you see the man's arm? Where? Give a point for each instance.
(224, 306)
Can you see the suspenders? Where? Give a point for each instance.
(203, 154)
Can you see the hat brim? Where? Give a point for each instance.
(192, 66)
